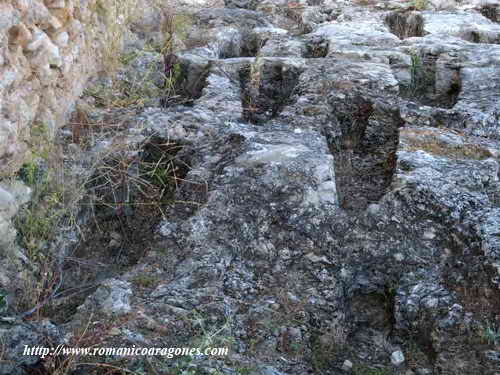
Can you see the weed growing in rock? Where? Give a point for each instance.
(205, 334)
(416, 69)
(250, 79)
(266, 89)
(174, 26)
(421, 4)
(39, 217)
(212, 335)
(131, 90)
(132, 184)
(421, 86)
(491, 334)
(116, 15)
(135, 175)
(173, 76)
(92, 334)
(146, 281)
(323, 353)
(37, 222)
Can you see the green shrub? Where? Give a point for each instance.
(421, 4)
(491, 334)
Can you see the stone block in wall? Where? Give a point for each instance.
(48, 51)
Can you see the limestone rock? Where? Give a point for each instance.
(397, 358)
(340, 185)
(16, 338)
(111, 298)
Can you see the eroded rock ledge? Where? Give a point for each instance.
(338, 210)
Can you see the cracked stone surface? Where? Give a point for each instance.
(342, 203)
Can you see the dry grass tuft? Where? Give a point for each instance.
(116, 17)
(429, 141)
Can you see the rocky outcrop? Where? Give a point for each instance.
(341, 199)
(18, 337)
(45, 63)
(336, 201)
(383, 253)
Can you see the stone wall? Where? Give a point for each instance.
(48, 50)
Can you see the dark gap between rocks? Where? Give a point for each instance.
(315, 2)
(490, 12)
(14, 36)
(474, 36)
(266, 89)
(363, 137)
(405, 24)
(316, 48)
(129, 194)
(471, 279)
(185, 81)
(295, 14)
(432, 84)
(250, 45)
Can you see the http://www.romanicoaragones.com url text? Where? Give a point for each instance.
(42, 351)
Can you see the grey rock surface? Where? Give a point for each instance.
(17, 338)
(112, 298)
(341, 198)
